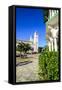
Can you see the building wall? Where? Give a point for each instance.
(52, 30)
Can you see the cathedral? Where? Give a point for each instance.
(33, 41)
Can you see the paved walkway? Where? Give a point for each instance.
(28, 72)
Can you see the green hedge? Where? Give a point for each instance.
(48, 66)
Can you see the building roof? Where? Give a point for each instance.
(25, 41)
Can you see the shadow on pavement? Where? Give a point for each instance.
(23, 63)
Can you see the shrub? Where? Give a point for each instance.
(48, 65)
(40, 49)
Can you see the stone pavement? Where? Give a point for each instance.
(28, 72)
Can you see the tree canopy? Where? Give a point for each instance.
(23, 47)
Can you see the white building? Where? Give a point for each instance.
(52, 29)
(33, 42)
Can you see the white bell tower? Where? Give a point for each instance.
(35, 42)
(31, 38)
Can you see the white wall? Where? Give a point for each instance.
(4, 44)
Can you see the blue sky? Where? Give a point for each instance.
(28, 21)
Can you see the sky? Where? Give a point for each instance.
(28, 21)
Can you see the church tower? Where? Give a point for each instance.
(31, 41)
(35, 42)
(31, 38)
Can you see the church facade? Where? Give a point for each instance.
(33, 41)
(52, 29)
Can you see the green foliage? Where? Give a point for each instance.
(46, 14)
(26, 48)
(40, 49)
(48, 65)
(23, 47)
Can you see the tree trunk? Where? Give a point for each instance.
(20, 54)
